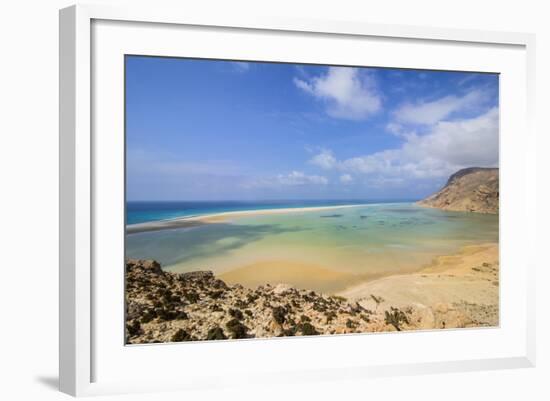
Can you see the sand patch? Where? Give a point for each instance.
(467, 281)
(297, 274)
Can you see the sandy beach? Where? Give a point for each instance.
(455, 291)
(470, 275)
(194, 221)
(296, 274)
(386, 257)
(463, 287)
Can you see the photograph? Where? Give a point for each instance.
(269, 199)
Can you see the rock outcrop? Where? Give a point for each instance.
(473, 189)
(170, 307)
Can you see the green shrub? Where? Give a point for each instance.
(350, 324)
(331, 315)
(279, 314)
(167, 296)
(319, 307)
(217, 283)
(365, 318)
(216, 294)
(181, 335)
(148, 315)
(236, 328)
(134, 328)
(241, 304)
(396, 317)
(236, 313)
(166, 315)
(377, 300)
(252, 298)
(191, 296)
(308, 329)
(216, 333)
(291, 332)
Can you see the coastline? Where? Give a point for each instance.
(455, 291)
(221, 217)
(423, 203)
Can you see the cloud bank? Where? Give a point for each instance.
(347, 92)
(429, 113)
(324, 159)
(447, 146)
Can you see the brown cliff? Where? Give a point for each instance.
(473, 189)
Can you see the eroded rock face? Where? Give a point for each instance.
(471, 190)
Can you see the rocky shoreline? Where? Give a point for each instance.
(173, 307)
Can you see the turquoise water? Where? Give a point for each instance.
(146, 211)
(370, 240)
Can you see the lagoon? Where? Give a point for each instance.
(322, 249)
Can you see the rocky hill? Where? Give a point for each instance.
(170, 307)
(473, 189)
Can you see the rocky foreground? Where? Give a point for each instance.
(472, 189)
(171, 307)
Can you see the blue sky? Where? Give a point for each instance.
(223, 130)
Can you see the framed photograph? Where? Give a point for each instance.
(285, 200)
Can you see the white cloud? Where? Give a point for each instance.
(294, 178)
(299, 178)
(399, 130)
(348, 92)
(394, 128)
(429, 113)
(446, 148)
(346, 179)
(469, 142)
(324, 159)
(240, 66)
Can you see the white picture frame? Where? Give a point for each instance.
(82, 344)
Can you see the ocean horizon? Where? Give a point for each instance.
(148, 211)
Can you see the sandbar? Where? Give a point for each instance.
(222, 217)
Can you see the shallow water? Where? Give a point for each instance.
(369, 240)
(147, 211)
